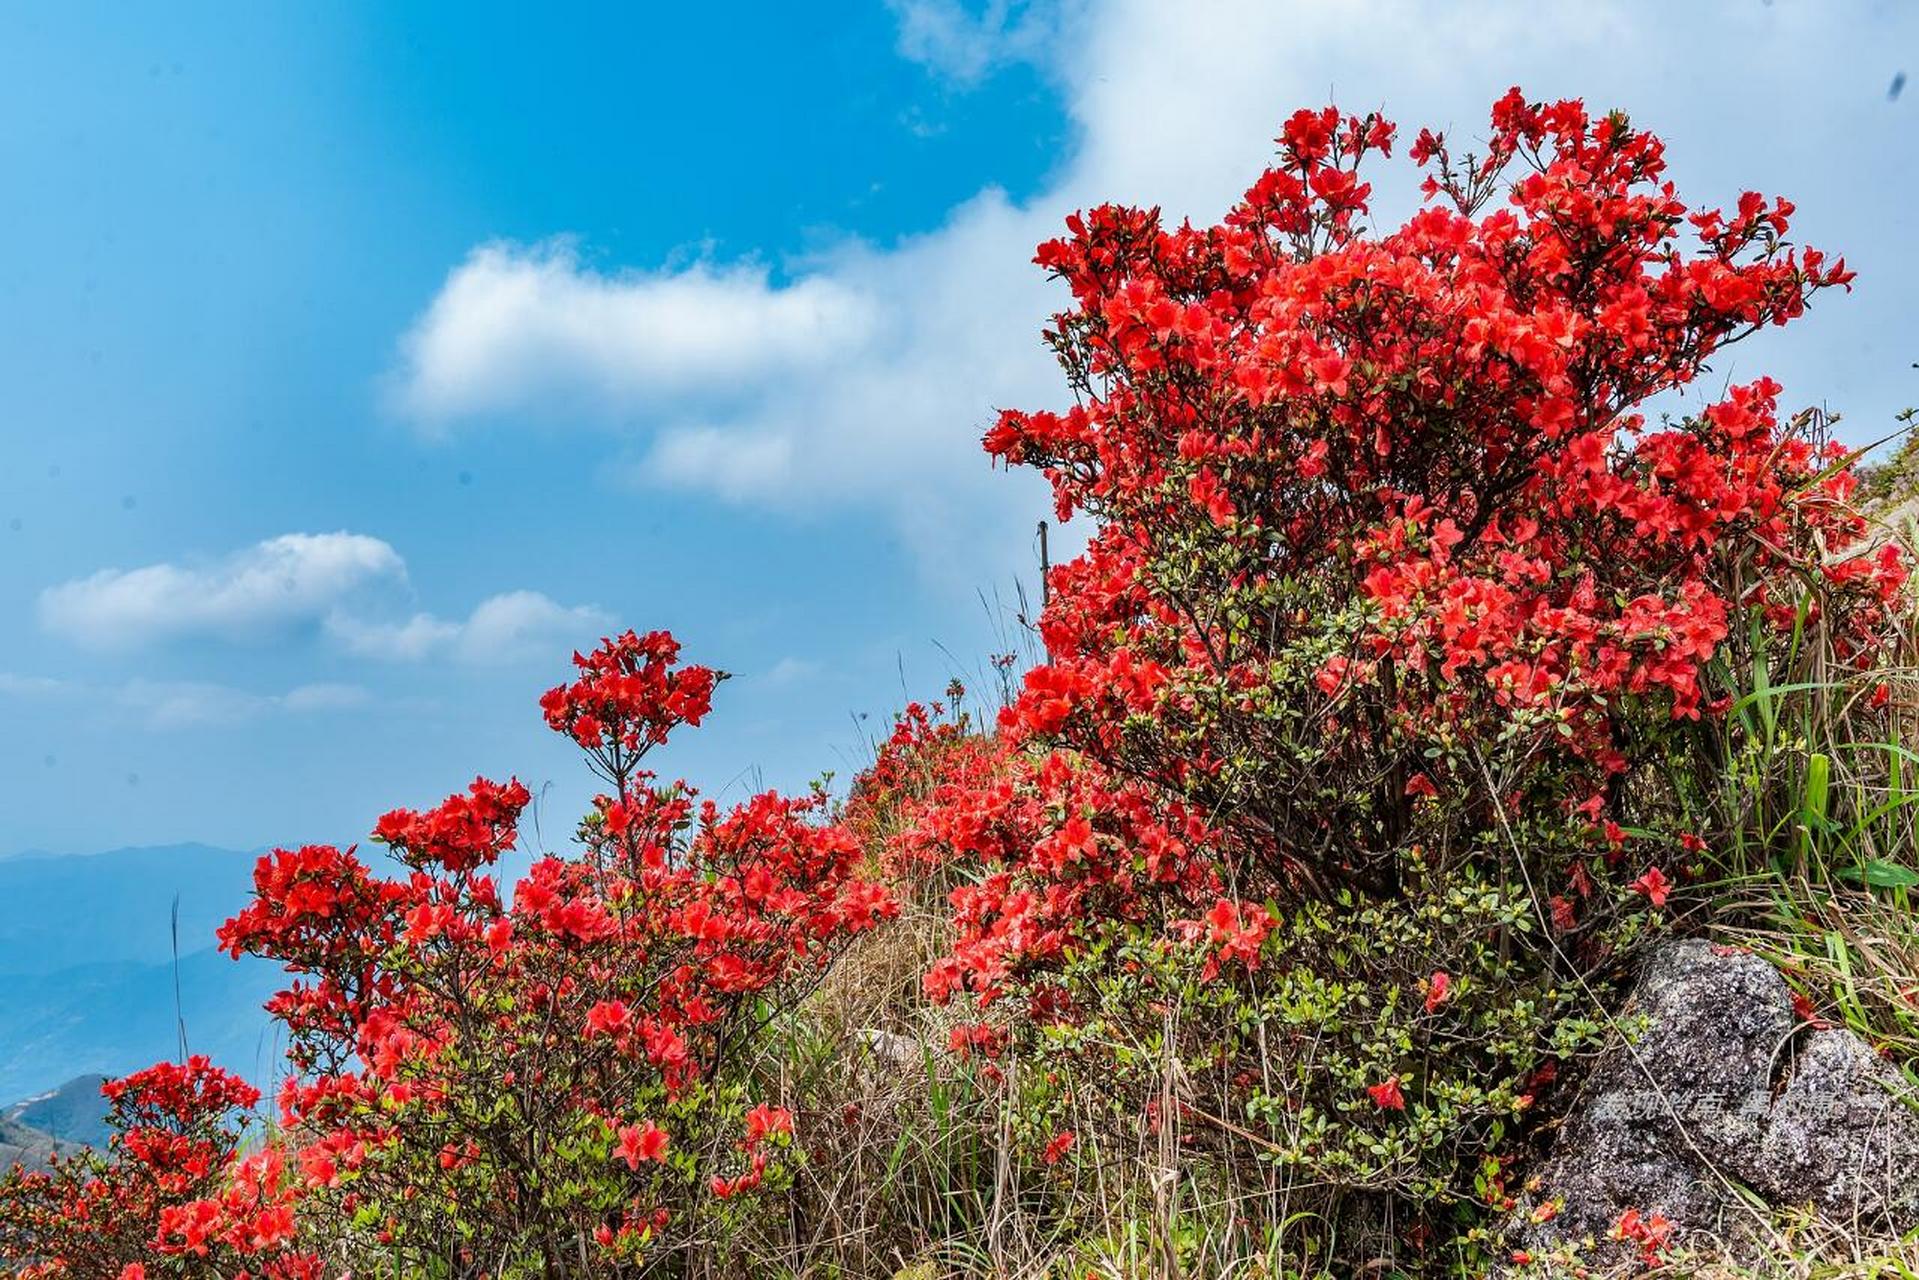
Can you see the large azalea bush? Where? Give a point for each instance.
(1383, 710)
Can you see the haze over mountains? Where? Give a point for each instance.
(87, 973)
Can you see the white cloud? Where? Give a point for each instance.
(283, 582)
(535, 329)
(182, 704)
(896, 425)
(296, 580)
(732, 464)
(964, 45)
(406, 641)
(503, 628)
(519, 623)
(1170, 105)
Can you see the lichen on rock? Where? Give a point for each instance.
(1722, 1101)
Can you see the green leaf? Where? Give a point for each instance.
(1881, 875)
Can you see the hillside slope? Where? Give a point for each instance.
(74, 1112)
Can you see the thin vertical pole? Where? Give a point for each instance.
(1044, 565)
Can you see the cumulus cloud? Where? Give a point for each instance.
(503, 628)
(525, 327)
(1176, 106)
(283, 582)
(297, 580)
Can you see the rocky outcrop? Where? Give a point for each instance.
(1720, 1090)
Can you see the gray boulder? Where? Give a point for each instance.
(1722, 1105)
(1841, 1136)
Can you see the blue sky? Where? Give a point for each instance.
(356, 363)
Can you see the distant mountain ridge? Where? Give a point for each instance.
(87, 970)
(74, 1112)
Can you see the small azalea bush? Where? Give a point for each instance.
(550, 1080)
(178, 1191)
(1381, 714)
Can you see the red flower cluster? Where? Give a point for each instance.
(629, 696)
(1386, 1095)
(1650, 1232)
(1064, 848)
(440, 1024)
(466, 832)
(172, 1184)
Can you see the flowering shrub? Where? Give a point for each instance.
(541, 1082)
(1386, 1046)
(1369, 504)
(174, 1193)
(1390, 704)
(1396, 610)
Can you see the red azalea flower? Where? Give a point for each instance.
(641, 1142)
(1653, 885)
(764, 1121)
